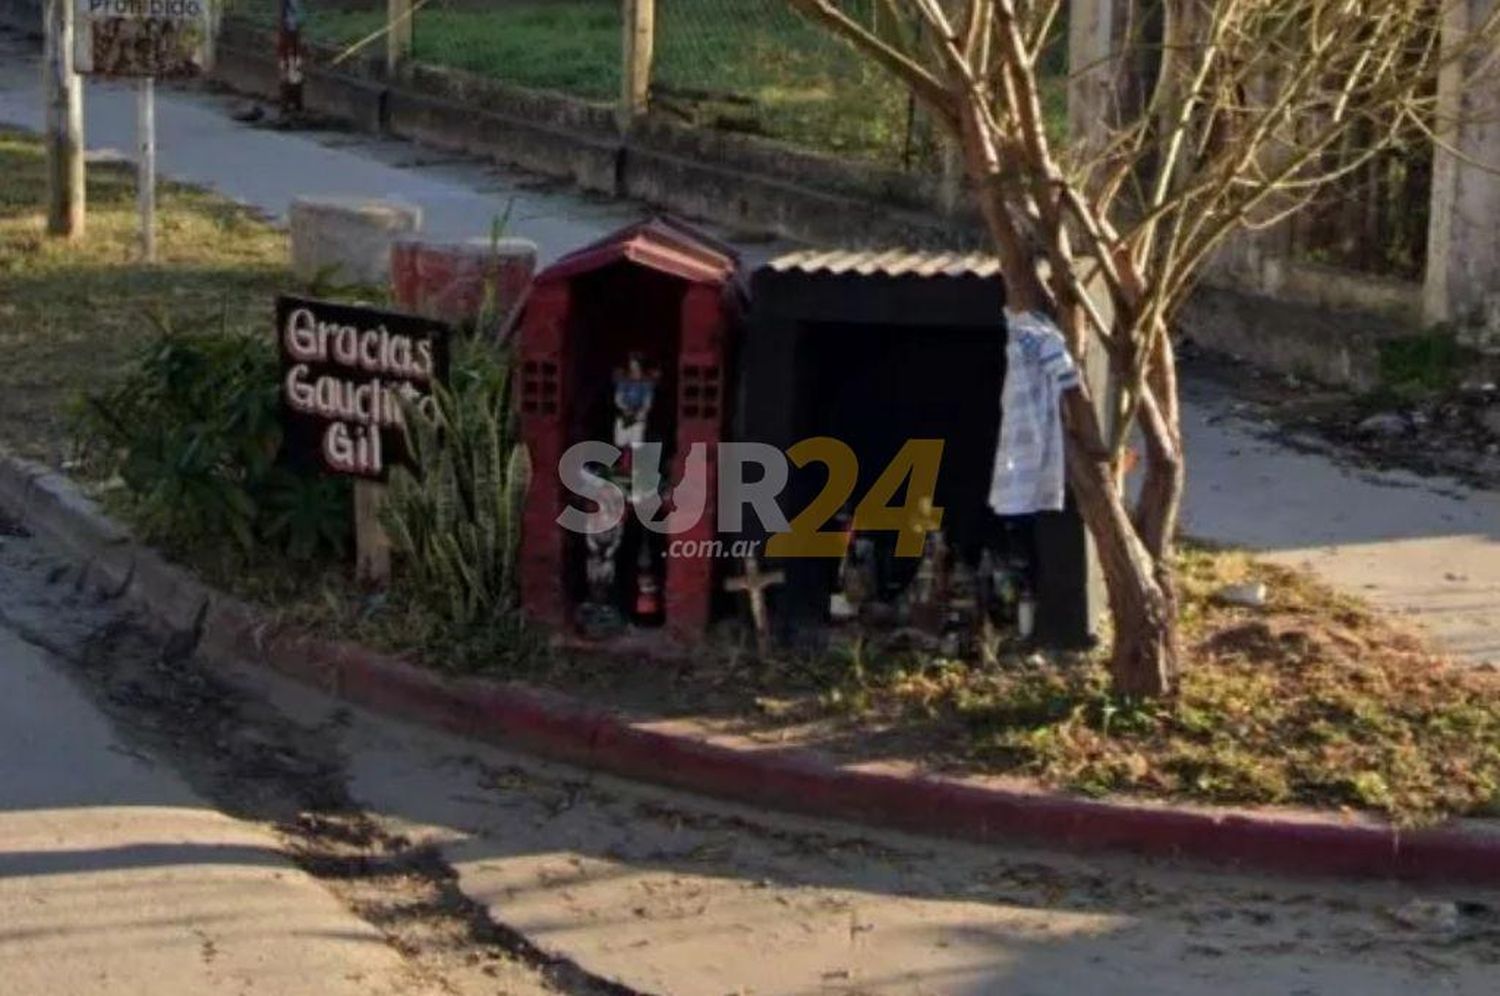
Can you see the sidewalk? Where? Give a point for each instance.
(1422, 548)
(199, 143)
(116, 878)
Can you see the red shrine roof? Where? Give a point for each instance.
(660, 243)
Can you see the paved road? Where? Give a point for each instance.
(146, 851)
(1422, 548)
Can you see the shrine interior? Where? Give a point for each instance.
(619, 311)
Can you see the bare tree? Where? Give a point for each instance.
(1223, 115)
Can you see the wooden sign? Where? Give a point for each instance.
(346, 374)
(153, 38)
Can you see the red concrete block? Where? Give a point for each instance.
(462, 282)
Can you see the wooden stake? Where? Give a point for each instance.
(63, 93)
(372, 546)
(753, 584)
(635, 76)
(145, 166)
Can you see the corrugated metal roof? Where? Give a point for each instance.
(887, 262)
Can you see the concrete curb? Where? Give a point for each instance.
(798, 780)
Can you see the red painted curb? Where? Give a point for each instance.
(795, 779)
(800, 780)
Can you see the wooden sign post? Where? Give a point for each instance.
(145, 176)
(348, 374)
(372, 547)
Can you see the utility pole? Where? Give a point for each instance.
(63, 92)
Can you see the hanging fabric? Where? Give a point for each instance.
(1030, 470)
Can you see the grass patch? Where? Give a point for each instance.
(1313, 700)
(741, 65)
(71, 315)
(1423, 364)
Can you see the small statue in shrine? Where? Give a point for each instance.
(963, 611)
(648, 607)
(848, 589)
(599, 617)
(635, 392)
(927, 605)
(860, 575)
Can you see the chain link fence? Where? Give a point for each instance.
(750, 66)
(569, 46)
(757, 66)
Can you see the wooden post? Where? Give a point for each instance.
(63, 93)
(145, 165)
(635, 68)
(372, 546)
(398, 39)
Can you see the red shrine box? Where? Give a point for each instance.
(662, 292)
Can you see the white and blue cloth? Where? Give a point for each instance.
(1030, 469)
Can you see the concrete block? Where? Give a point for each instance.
(455, 281)
(347, 240)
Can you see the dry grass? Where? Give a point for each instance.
(70, 315)
(1312, 700)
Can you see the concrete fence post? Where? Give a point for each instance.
(1462, 284)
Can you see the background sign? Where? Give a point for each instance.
(157, 38)
(345, 372)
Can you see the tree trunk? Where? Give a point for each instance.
(1143, 660)
(1144, 654)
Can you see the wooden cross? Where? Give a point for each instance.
(753, 584)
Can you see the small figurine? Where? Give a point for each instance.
(843, 605)
(963, 612)
(647, 589)
(598, 617)
(929, 589)
(635, 392)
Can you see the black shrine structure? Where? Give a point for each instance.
(878, 348)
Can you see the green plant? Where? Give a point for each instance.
(455, 516)
(192, 428)
(1421, 364)
(306, 513)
